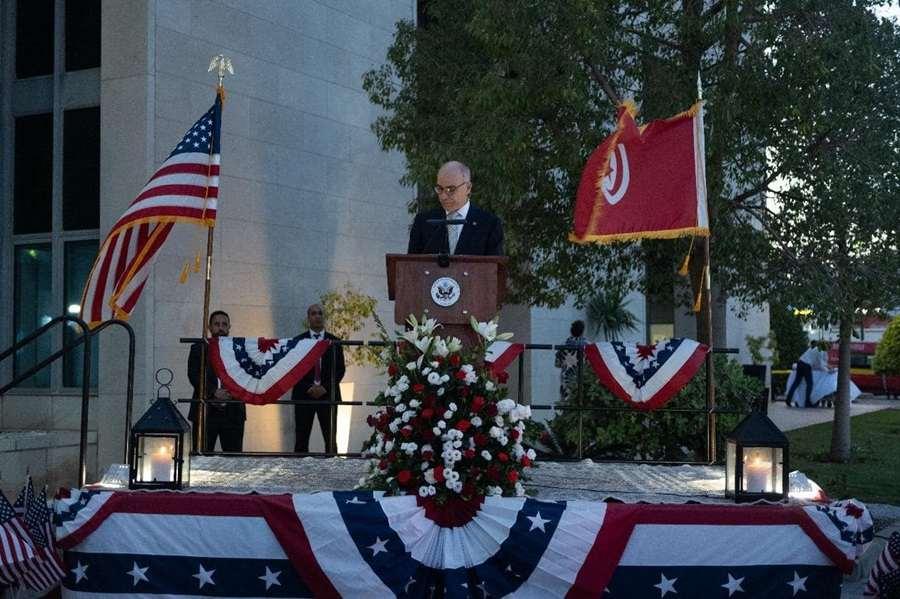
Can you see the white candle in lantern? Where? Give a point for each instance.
(756, 475)
(161, 464)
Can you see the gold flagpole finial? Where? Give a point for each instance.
(222, 64)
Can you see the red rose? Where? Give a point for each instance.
(514, 434)
(491, 409)
(493, 473)
(480, 439)
(503, 456)
(477, 403)
(427, 413)
(474, 472)
(459, 375)
(455, 360)
(383, 464)
(512, 476)
(429, 401)
(469, 453)
(403, 476)
(502, 377)
(427, 455)
(463, 391)
(463, 425)
(526, 461)
(439, 360)
(427, 434)
(418, 388)
(393, 370)
(392, 457)
(406, 432)
(439, 473)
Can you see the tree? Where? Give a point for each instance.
(790, 338)
(887, 354)
(523, 91)
(608, 311)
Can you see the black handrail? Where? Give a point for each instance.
(85, 335)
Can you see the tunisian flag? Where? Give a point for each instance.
(645, 181)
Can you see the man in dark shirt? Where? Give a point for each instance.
(224, 421)
(482, 233)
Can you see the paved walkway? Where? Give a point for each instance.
(792, 418)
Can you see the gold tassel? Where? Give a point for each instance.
(699, 298)
(183, 277)
(197, 261)
(685, 265)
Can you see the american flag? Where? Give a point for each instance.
(16, 553)
(184, 189)
(884, 579)
(47, 570)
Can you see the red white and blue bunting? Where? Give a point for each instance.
(259, 371)
(360, 544)
(646, 376)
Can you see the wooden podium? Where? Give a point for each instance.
(469, 286)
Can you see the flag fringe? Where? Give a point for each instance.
(662, 234)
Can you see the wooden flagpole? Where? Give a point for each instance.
(706, 301)
(222, 64)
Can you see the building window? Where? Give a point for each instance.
(54, 164)
(82, 34)
(34, 38)
(33, 301)
(33, 174)
(81, 169)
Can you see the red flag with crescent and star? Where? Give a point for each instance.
(647, 181)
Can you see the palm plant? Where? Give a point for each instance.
(608, 312)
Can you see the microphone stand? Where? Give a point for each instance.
(443, 258)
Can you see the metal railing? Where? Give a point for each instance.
(710, 412)
(84, 336)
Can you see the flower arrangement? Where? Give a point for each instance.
(446, 430)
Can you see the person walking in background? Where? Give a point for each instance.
(567, 359)
(812, 359)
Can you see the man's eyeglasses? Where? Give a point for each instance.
(449, 190)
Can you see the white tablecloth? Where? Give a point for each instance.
(824, 384)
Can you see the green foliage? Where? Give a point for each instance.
(756, 345)
(347, 309)
(790, 338)
(658, 435)
(608, 312)
(887, 354)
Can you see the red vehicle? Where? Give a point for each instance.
(861, 373)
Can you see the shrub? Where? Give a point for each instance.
(887, 354)
(659, 435)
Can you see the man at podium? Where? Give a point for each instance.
(482, 233)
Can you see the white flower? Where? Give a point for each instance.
(476, 421)
(520, 490)
(505, 405)
(452, 407)
(401, 407)
(423, 491)
(429, 476)
(454, 345)
(488, 330)
(434, 378)
(496, 432)
(440, 348)
(486, 454)
(411, 366)
(426, 370)
(531, 454)
(503, 440)
(428, 326)
(414, 403)
(489, 385)
(498, 420)
(425, 465)
(426, 447)
(408, 415)
(448, 415)
(436, 430)
(451, 475)
(440, 391)
(519, 413)
(411, 335)
(457, 444)
(431, 490)
(394, 425)
(441, 424)
(494, 491)
(423, 343)
(388, 445)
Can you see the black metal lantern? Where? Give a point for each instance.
(756, 461)
(160, 448)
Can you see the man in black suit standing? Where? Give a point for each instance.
(224, 421)
(482, 233)
(316, 385)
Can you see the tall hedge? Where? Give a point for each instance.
(887, 354)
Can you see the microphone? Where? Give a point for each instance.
(443, 223)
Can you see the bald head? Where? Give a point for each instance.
(454, 184)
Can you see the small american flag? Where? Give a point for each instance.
(184, 189)
(16, 553)
(47, 569)
(884, 579)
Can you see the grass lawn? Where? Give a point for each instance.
(873, 474)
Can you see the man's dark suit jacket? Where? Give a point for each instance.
(306, 382)
(482, 235)
(235, 412)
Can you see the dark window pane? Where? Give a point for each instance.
(79, 258)
(32, 308)
(81, 169)
(82, 34)
(33, 174)
(34, 38)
